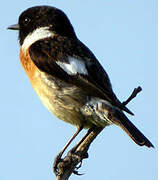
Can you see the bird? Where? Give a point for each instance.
(67, 76)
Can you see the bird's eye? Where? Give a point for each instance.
(26, 21)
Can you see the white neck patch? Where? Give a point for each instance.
(37, 34)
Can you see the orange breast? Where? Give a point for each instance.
(28, 65)
(33, 73)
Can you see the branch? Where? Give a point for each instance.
(133, 95)
(68, 165)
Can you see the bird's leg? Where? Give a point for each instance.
(58, 157)
(78, 148)
(79, 143)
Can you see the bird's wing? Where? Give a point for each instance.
(77, 65)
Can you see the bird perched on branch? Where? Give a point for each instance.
(66, 75)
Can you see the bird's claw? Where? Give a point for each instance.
(76, 169)
(77, 173)
(57, 160)
(79, 166)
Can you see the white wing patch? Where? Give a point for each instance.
(37, 34)
(75, 66)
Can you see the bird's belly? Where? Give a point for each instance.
(62, 99)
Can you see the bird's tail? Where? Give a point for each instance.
(130, 129)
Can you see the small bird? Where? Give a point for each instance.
(66, 75)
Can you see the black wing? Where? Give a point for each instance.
(46, 53)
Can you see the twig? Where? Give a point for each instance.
(133, 95)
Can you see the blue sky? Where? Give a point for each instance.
(124, 37)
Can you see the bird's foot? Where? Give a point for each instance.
(79, 156)
(57, 160)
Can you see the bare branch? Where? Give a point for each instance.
(133, 95)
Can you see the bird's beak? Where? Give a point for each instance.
(14, 27)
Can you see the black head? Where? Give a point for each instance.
(43, 16)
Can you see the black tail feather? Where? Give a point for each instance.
(131, 130)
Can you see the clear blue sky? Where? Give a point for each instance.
(123, 34)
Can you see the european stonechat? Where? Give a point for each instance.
(66, 75)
